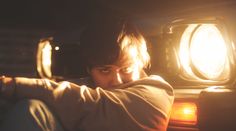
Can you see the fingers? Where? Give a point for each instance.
(1, 83)
(2, 77)
(6, 86)
(5, 79)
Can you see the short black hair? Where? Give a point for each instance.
(102, 43)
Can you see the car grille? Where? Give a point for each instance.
(18, 50)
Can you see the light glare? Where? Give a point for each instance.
(208, 51)
(57, 48)
(185, 113)
(203, 52)
(184, 49)
(46, 58)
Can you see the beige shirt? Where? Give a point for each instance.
(141, 105)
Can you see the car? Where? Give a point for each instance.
(192, 46)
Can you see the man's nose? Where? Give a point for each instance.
(116, 79)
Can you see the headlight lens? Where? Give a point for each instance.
(59, 61)
(44, 56)
(203, 52)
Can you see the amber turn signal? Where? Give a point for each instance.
(184, 113)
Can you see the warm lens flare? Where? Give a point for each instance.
(184, 49)
(57, 48)
(46, 58)
(184, 113)
(206, 49)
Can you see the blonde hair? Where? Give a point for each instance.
(134, 44)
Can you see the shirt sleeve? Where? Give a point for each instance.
(141, 105)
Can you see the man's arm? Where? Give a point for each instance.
(21, 87)
(141, 105)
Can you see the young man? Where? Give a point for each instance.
(117, 96)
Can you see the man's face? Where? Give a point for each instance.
(110, 76)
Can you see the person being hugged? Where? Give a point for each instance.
(117, 96)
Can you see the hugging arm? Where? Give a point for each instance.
(141, 105)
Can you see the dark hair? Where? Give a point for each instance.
(106, 42)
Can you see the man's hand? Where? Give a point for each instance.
(6, 86)
(1, 83)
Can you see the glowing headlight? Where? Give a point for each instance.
(59, 61)
(44, 56)
(203, 52)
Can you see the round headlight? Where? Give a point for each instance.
(44, 56)
(203, 52)
(59, 61)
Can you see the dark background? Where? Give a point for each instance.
(58, 14)
(24, 22)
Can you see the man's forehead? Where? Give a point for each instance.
(125, 60)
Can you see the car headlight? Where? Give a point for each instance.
(59, 61)
(203, 53)
(44, 55)
(197, 52)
